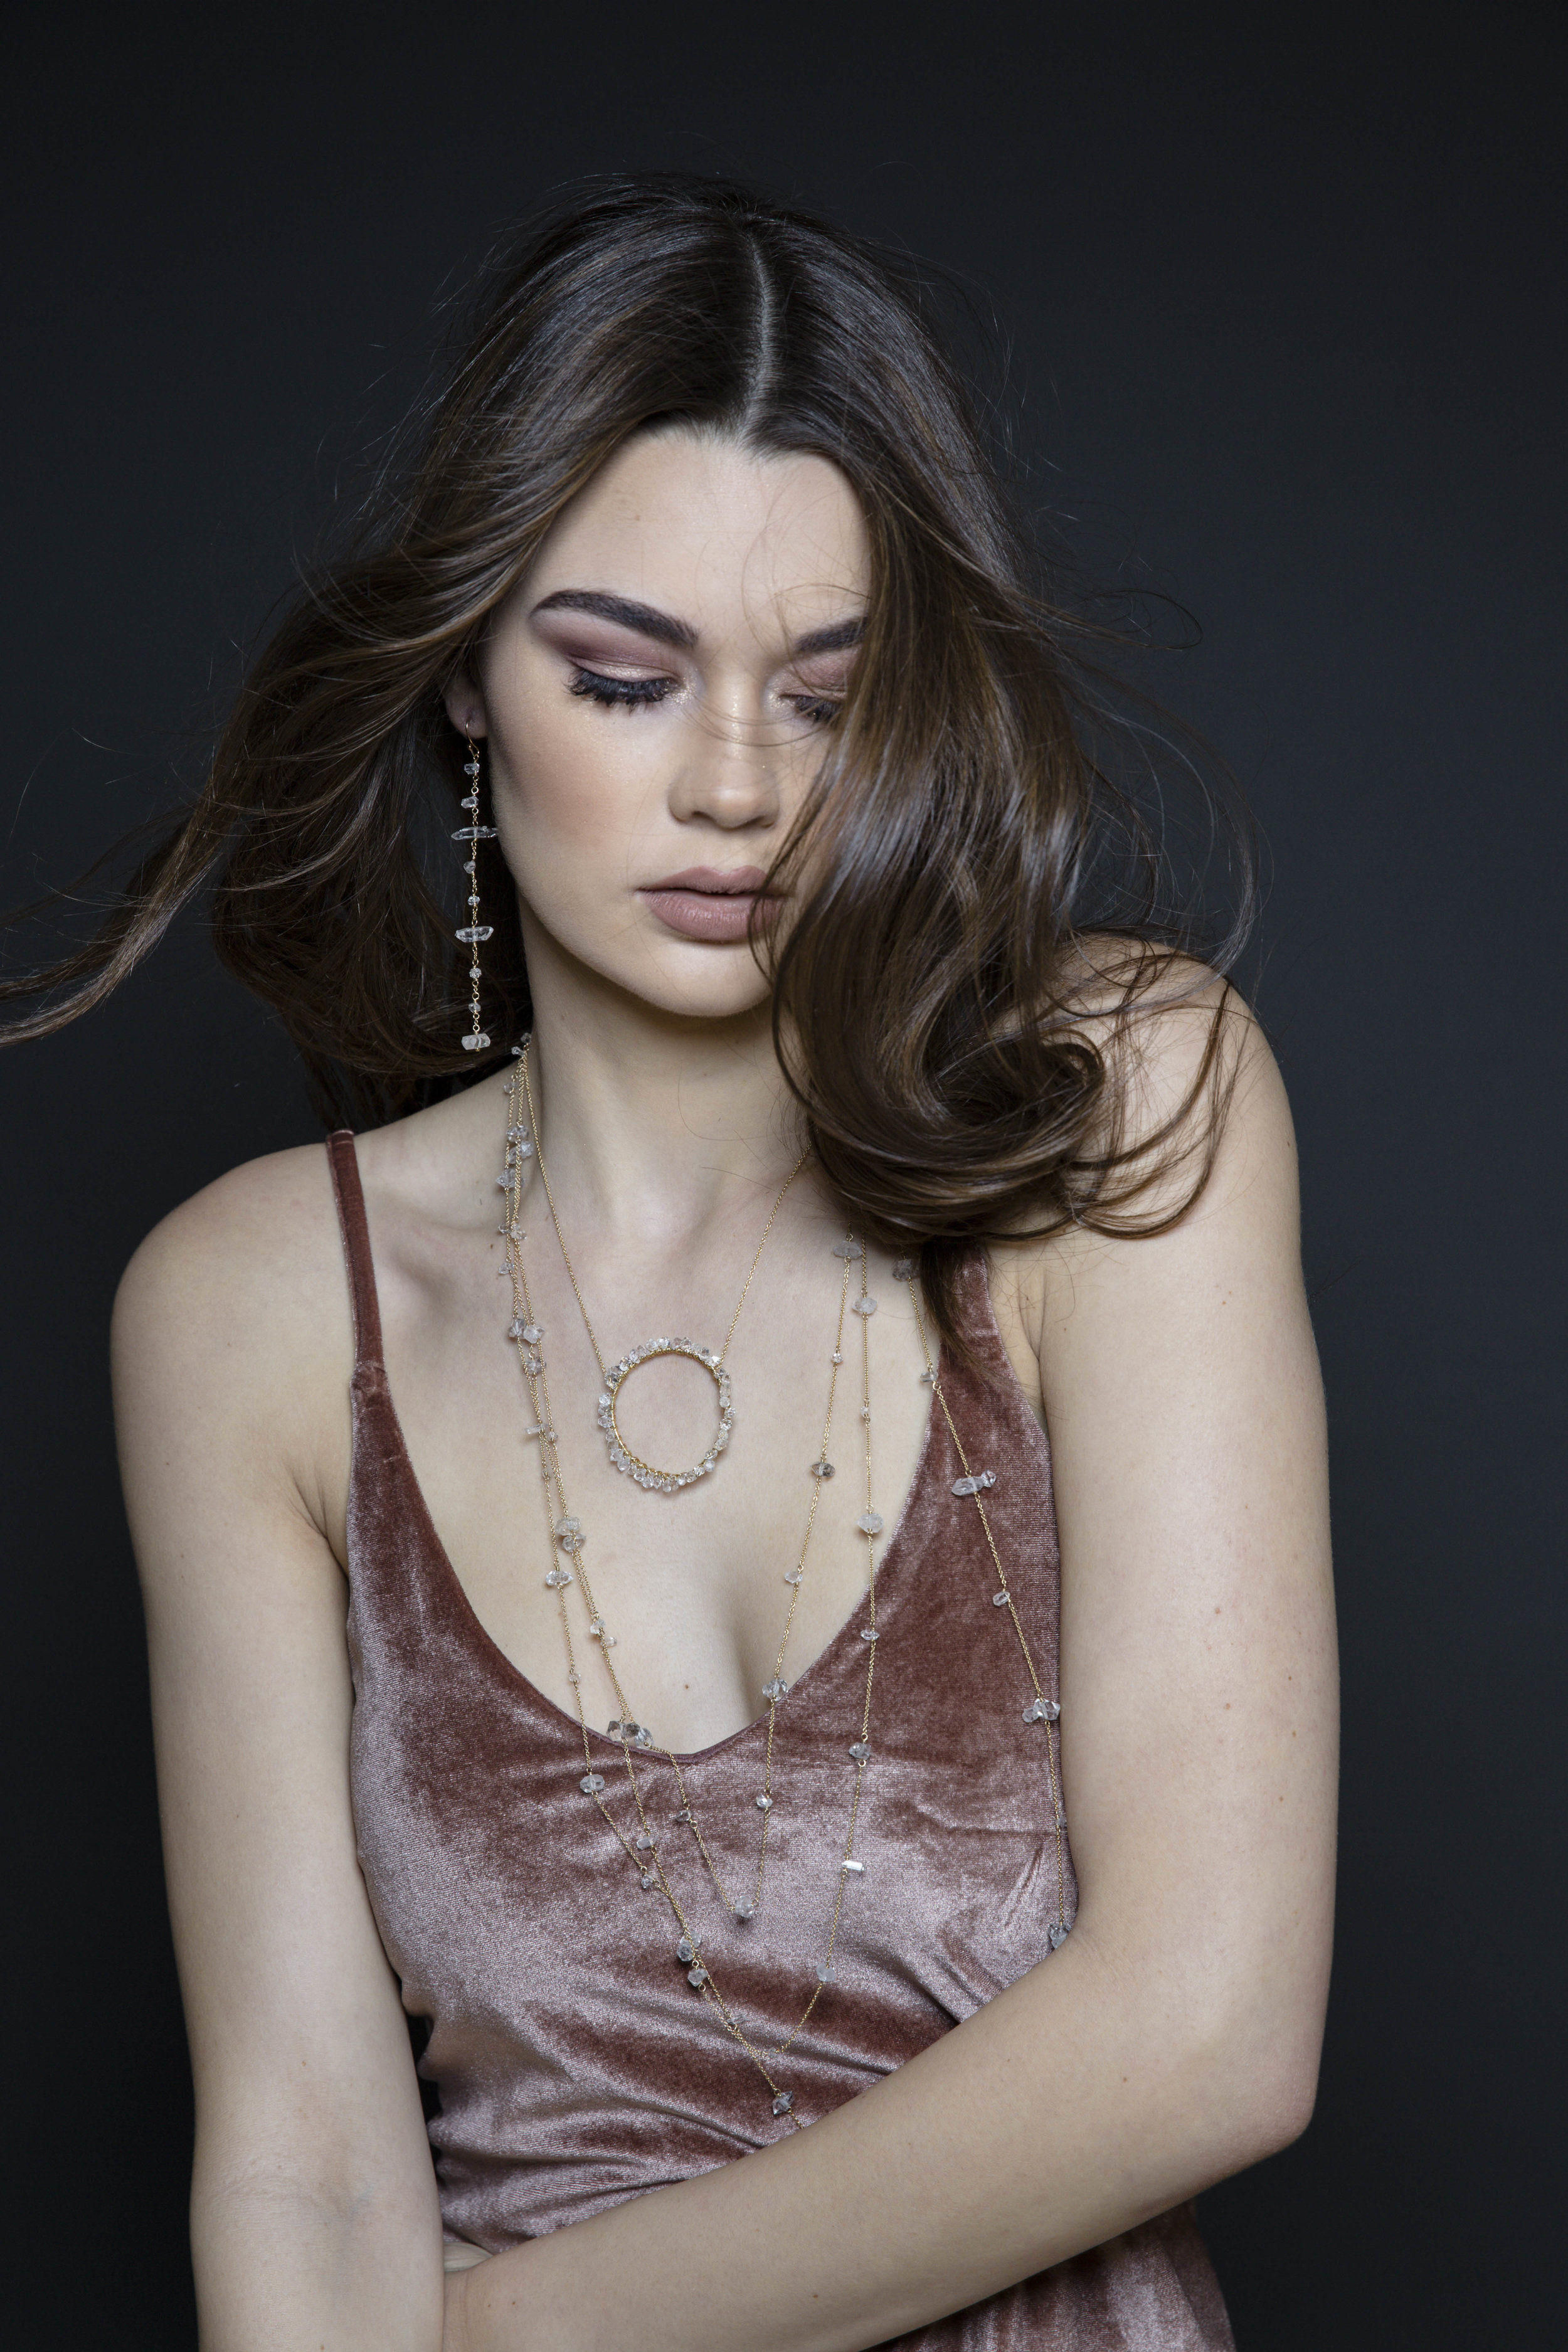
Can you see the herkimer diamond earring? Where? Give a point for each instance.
(473, 930)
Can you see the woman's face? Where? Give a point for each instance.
(657, 695)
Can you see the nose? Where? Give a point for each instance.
(728, 774)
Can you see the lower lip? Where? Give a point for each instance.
(704, 915)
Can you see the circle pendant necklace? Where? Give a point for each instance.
(623, 1457)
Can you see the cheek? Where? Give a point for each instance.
(577, 779)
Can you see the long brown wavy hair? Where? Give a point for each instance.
(982, 910)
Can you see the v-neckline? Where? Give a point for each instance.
(524, 1686)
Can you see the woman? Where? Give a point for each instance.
(665, 1694)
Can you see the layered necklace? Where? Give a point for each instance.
(614, 1376)
(646, 1851)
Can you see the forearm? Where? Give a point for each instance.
(1071, 2108)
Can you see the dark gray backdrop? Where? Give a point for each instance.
(1282, 303)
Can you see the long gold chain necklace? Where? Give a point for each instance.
(565, 1532)
(614, 1376)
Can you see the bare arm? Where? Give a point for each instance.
(313, 2209)
(1174, 2037)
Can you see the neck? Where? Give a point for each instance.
(651, 1122)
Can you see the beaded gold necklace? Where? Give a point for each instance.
(566, 1535)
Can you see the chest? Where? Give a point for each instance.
(711, 1591)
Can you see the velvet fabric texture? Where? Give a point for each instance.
(571, 2064)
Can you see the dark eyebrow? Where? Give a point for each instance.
(643, 618)
(648, 622)
(835, 639)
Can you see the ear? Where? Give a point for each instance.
(464, 705)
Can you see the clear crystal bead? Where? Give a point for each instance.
(903, 1268)
(783, 2103)
(860, 1750)
(589, 1784)
(863, 1306)
(847, 1248)
(870, 1523)
(836, 1358)
(559, 1579)
(1058, 1936)
(868, 1632)
(855, 1869)
(821, 1469)
(686, 1950)
(776, 1689)
(794, 1577)
(533, 1333)
(865, 1412)
(744, 1910)
(475, 1042)
(1000, 1600)
(643, 1842)
(684, 1814)
(649, 1879)
(696, 1977)
(825, 1972)
(474, 932)
(929, 1378)
(569, 1533)
(1041, 1710)
(764, 1804)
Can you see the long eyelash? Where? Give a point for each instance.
(821, 709)
(618, 693)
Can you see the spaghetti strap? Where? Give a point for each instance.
(343, 1161)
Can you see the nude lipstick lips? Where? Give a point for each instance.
(705, 902)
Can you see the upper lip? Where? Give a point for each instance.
(738, 882)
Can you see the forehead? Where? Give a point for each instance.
(733, 541)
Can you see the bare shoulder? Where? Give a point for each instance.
(1208, 1176)
(249, 1249)
(232, 1330)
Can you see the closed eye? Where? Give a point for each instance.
(618, 693)
(821, 709)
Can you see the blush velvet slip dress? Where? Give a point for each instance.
(567, 2062)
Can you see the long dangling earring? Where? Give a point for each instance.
(473, 930)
